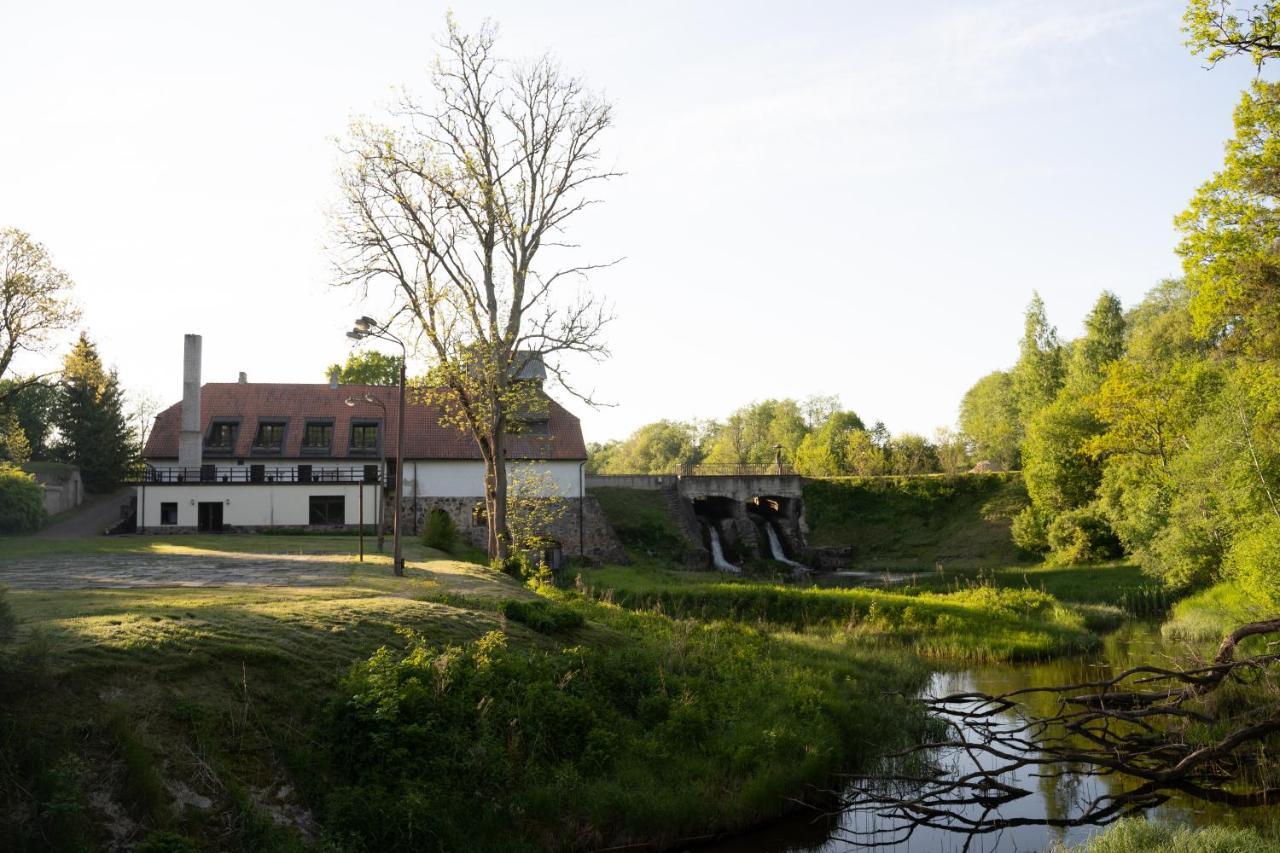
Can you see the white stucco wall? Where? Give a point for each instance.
(257, 505)
(286, 503)
(465, 479)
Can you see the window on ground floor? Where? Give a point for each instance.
(169, 512)
(328, 509)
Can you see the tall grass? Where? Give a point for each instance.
(1138, 835)
(979, 623)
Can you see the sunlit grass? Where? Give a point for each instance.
(978, 622)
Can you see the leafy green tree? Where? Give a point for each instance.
(952, 451)
(1060, 475)
(602, 455)
(368, 367)
(821, 453)
(1231, 231)
(31, 402)
(750, 434)
(1040, 369)
(989, 421)
(1102, 345)
(89, 415)
(662, 447)
(863, 456)
(819, 408)
(911, 454)
(1215, 30)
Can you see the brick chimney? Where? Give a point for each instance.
(191, 438)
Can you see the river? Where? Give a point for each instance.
(1137, 642)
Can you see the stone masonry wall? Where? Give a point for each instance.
(598, 540)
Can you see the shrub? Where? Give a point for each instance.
(21, 501)
(1081, 536)
(440, 532)
(495, 746)
(1030, 531)
(545, 617)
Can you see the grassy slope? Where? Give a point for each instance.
(115, 704)
(915, 522)
(642, 521)
(128, 695)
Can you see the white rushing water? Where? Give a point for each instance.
(717, 553)
(775, 546)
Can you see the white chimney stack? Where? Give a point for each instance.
(191, 438)
(333, 379)
(244, 378)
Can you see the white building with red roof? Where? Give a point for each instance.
(250, 456)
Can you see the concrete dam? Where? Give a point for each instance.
(730, 518)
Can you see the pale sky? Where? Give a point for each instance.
(850, 198)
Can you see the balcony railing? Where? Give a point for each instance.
(258, 475)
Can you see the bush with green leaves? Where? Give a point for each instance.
(543, 616)
(677, 728)
(440, 532)
(1081, 535)
(21, 501)
(1030, 530)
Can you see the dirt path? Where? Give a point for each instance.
(122, 571)
(90, 518)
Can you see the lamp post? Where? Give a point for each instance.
(367, 327)
(382, 465)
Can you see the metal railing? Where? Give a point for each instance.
(738, 469)
(258, 475)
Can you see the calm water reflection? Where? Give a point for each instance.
(1056, 797)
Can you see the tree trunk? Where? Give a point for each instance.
(499, 538)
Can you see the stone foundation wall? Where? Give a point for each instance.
(596, 541)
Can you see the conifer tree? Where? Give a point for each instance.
(89, 414)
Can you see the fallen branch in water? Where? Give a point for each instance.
(1148, 732)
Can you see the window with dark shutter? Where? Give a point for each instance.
(328, 510)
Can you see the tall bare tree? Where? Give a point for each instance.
(458, 207)
(34, 302)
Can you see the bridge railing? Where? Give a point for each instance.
(737, 469)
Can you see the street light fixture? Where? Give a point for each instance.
(367, 327)
(369, 398)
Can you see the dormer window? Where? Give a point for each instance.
(317, 436)
(221, 437)
(364, 437)
(270, 437)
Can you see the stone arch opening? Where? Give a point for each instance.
(773, 507)
(715, 508)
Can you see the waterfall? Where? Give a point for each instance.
(717, 553)
(775, 547)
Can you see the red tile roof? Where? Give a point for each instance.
(425, 438)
